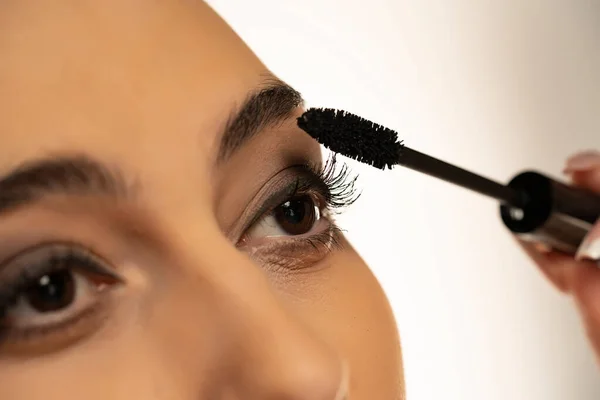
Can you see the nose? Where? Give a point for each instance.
(266, 350)
(275, 356)
(283, 360)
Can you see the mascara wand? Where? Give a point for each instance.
(533, 206)
(425, 164)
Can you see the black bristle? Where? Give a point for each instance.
(352, 136)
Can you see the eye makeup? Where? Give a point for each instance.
(50, 296)
(332, 184)
(331, 188)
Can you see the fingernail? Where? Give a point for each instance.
(589, 250)
(583, 161)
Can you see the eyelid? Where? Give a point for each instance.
(332, 184)
(295, 254)
(29, 262)
(271, 202)
(297, 179)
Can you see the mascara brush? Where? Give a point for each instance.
(532, 206)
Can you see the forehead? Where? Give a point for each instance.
(120, 79)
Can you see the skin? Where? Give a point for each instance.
(147, 88)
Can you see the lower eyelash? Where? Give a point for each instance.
(296, 254)
(327, 240)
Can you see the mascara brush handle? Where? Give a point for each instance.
(428, 165)
(554, 213)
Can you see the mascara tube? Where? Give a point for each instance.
(552, 213)
(533, 206)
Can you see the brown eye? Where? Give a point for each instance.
(51, 292)
(64, 278)
(297, 216)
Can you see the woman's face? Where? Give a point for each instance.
(165, 228)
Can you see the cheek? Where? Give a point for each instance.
(134, 356)
(125, 371)
(349, 309)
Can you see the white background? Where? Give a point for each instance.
(494, 86)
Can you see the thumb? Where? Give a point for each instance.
(584, 279)
(585, 289)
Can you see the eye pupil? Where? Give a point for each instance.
(294, 211)
(296, 216)
(51, 292)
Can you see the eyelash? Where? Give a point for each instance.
(337, 189)
(339, 185)
(46, 266)
(332, 188)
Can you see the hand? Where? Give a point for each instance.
(579, 276)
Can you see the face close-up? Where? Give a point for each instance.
(167, 231)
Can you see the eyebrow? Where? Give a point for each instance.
(75, 175)
(83, 175)
(272, 104)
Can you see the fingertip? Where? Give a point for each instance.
(590, 247)
(582, 161)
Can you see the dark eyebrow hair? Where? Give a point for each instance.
(273, 103)
(77, 175)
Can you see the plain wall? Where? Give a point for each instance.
(494, 86)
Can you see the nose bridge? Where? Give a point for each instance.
(269, 352)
